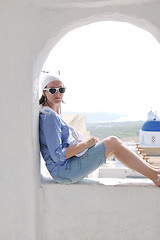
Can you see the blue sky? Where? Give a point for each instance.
(108, 67)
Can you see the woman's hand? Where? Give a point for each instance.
(77, 148)
(91, 141)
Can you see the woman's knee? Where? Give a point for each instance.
(112, 143)
(112, 139)
(115, 140)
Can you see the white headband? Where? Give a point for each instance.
(47, 78)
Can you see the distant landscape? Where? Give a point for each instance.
(126, 131)
(103, 125)
(94, 117)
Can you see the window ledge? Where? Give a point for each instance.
(144, 182)
(104, 208)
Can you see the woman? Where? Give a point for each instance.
(70, 162)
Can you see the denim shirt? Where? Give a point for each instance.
(54, 138)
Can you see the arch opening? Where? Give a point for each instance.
(106, 61)
(124, 84)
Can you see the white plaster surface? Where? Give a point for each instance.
(118, 172)
(113, 209)
(29, 29)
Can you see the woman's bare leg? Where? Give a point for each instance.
(115, 147)
(154, 167)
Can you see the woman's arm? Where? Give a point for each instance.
(50, 129)
(79, 147)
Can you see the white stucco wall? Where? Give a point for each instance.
(29, 29)
(108, 209)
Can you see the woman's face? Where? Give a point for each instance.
(57, 97)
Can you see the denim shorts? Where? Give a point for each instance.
(79, 167)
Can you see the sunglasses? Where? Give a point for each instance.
(54, 90)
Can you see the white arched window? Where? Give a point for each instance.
(103, 65)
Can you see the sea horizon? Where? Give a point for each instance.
(103, 117)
